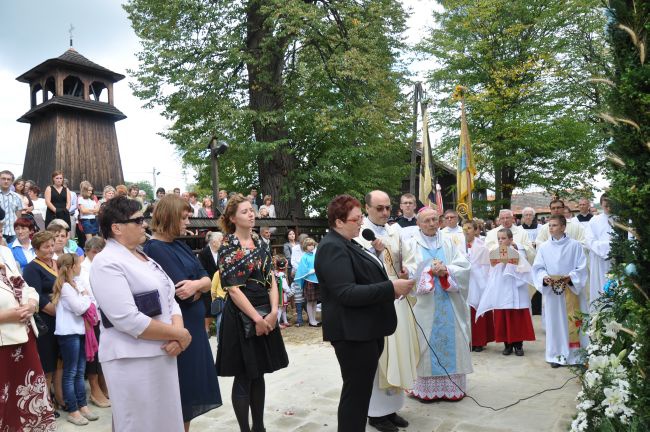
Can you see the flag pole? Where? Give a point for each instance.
(417, 90)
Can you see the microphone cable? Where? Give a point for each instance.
(465, 394)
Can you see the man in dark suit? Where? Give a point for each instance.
(357, 308)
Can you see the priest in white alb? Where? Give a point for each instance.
(597, 240)
(396, 370)
(452, 230)
(441, 272)
(574, 229)
(560, 274)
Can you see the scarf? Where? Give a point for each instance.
(91, 319)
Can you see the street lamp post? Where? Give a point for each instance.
(216, 148)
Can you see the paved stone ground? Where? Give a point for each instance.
(304, 397)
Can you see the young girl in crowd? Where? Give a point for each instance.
(307, 280)
(71, 304)
(506, 294)
(285, 290)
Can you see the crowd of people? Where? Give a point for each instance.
(404, 297)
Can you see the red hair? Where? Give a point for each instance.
(340, 207)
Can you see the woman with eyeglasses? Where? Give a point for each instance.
(198, 379)
(142, 325)
(357, 307)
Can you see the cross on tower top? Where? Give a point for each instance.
(70, 30)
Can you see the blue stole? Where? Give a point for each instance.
(443, 332)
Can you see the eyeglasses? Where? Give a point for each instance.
(138, 221)
(355, 220)
(381, 208)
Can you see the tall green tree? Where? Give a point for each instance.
(524, 64)
(306, 92)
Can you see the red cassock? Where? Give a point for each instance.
(483, 329)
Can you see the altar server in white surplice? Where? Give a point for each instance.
(597, 238)
(442, 276)
(560, 274)
(396, 370)
(519, 235)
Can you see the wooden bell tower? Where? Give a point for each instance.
(72, 118)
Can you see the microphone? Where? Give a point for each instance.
(368, 234)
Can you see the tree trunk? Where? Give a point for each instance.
(266, 99)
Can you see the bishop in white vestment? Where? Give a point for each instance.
(441, 272)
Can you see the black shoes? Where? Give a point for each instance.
(519, 351)
(555, 365)
(382, 424)
(397, 420)
(507, 350)
(477, 348)
(389, 423)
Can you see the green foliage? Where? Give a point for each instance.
(306, 93)
(628, 117)
(529, 109)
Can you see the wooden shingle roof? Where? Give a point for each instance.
(75, 103)
(72, 60)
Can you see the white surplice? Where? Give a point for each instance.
(396, 370)
(597, 239)
(564, 338)
(574, 230)
(507, 287)
(519, 237)
(479, 258)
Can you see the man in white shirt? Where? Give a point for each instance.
(11, 203)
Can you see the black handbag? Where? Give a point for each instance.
(147, 302)
(216, 307)
(248, 324)
(40, 324)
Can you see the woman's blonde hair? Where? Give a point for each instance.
(307, 242)
(65, 265)
(168, 214)
(225, 223)
(84, 187)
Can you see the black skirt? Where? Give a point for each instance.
(48, 346)
(252, 357)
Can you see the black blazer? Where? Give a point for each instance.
(207, 261)
(357, 296)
